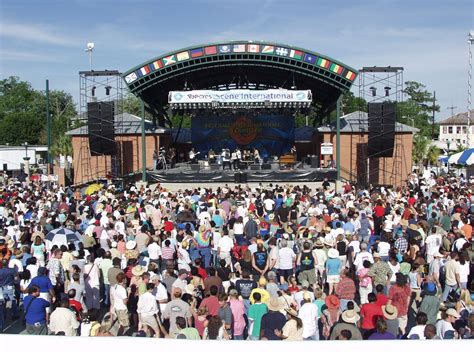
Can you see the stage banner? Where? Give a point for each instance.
(239, 96)
(270, 134)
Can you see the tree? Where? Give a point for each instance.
(417, 110)
(351, 103)
(17, 128)
(62, 146)
(424, 153)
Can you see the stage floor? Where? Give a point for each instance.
(183, 173)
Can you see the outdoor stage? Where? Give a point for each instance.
(184, 174)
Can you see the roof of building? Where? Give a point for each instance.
(357, 121)
(458, 119)
(125, 123)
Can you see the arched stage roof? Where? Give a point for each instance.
(232, 64)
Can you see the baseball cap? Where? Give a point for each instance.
(452, 312)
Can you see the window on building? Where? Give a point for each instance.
(458, 130)
(458, 141)
(445, 129)
(464, 130)
(450, 129)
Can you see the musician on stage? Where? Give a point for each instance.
(192, 156)
(293, 150)
(172, 157)
(236, 158)
(256, 156)
(212, 156)
(226, 159)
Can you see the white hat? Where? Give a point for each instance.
(114, 244)
(131, 244)
(333, 253)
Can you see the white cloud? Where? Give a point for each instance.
(29, 56)
(35, 33)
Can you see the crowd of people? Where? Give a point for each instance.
(238, 263)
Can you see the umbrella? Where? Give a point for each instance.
(63, 236)
(93, 188)
(443, 159)
(463, 158)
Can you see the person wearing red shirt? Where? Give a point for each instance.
(369, 313)
(211, 302)
(200, 270)
(381, 298)
(399, 297)
(167, 225)
(75, 304)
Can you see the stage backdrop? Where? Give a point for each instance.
(271, 134)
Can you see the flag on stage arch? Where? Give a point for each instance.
(296, 54)
(268, 49)
(198, 52)
(323, 63)
(336, 68)
(253, 48)
(169, 60)
(281, 51)
(350, 75)
(157, 64)
(239, 48)
(224, 48)
(309, 58)
(210, 50)
(131, 78)
(145, 70)
(182, 56)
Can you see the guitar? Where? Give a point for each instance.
(192, 155)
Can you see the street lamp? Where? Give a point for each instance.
(470, 41)
(27, 160)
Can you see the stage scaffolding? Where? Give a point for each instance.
(377, 85)
(100, 86)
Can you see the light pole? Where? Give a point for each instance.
(27, 160)
(470, 41)
(89, 49)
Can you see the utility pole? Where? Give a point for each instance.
(48, 127)
(433, 117)
(452, 108)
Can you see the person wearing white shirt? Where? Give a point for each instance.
(363, 255)
(63, 320)
(154, 250)
(224, 248)
(432, 242)
(286, 261)
(147, 309)
(160, 293)
(308, 313)
(383, 248)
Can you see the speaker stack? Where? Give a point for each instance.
(381, 117)
(100, 125)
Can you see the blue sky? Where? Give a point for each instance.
(46, 39)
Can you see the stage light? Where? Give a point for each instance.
(107, 90)
(387, 90)
(374, 90)
(93, 90)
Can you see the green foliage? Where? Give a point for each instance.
(62, 146)
(459, 148)
(351, 103)
(176, 120)
(17, 128)
(417, 110)
(424, 153)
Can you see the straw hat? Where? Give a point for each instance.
(274, 304)
(390, 311)
(138, 270)
(318, 243)
(350, 316)
(131, 244)
(291, 312)
(333, 253)
(413, 227)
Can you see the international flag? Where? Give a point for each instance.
(335, 68)
(283, 52)
(224, 48)
(350, 75)
(198, 52)
(268, 49)
(309, 58)
(145, 70)
(323, 63)
(296, 54)
(131, 77)
(253, 48)
(169, 60)
(239, 48)
(182, 56)
(210, 50)
(157, 64)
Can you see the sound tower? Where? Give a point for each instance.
(381, 124)
(100, 124)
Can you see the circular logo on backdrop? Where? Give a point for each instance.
(300, 96)
(178, 96)
(243, 131)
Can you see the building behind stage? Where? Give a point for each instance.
(354, 141)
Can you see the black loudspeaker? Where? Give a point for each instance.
(5, 167)
(215, 167)
(266, 166)
(100, 124)
(243, 178)
(255, 167)
(314, 162)
(195, 167)
(237, 178)
(381, 124)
